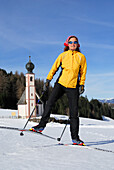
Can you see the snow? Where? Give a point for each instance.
(7, 113)
(108, 100)
(36, 152)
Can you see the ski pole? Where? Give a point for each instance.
(28, 121)
(59, 139)
(21, 134)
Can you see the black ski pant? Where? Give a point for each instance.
(73, 96)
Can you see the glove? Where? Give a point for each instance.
(46, 85)
(81, 89)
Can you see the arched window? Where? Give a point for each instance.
(31, 78)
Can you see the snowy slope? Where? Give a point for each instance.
(106, 100)
(35, 152)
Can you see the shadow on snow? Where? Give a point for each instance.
(99, 142)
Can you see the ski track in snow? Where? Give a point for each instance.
(35, 152)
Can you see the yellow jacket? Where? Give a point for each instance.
(73, 63)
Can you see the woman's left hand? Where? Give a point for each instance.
(81, 89)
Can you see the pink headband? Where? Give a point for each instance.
(66, 42)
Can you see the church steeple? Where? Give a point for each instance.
(30, 88)
(27, 103)
(30, 66)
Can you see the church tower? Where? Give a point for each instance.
(30, 89)
(27, 102)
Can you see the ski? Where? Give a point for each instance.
(87, 147)
(10, 128)
(27, 130)
(95, 148)
(100, 149)
(43, 134)
(40, 133)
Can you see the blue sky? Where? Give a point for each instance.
(39, 29)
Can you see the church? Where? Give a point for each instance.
(28, 101)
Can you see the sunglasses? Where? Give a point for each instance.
(71, 42)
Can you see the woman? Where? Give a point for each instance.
(71, 81)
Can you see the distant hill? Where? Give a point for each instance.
(106, 101)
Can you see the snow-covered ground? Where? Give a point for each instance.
(7, 113)
(35, 152)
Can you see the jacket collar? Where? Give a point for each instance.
(72, 52)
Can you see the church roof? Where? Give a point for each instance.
(22, 100)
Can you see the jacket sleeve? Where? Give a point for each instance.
(83, 70)
(55, 67)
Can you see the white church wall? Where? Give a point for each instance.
(22, 111)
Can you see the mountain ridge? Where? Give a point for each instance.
(111, 100)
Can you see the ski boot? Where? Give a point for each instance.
(78, 142)
(37, 129)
